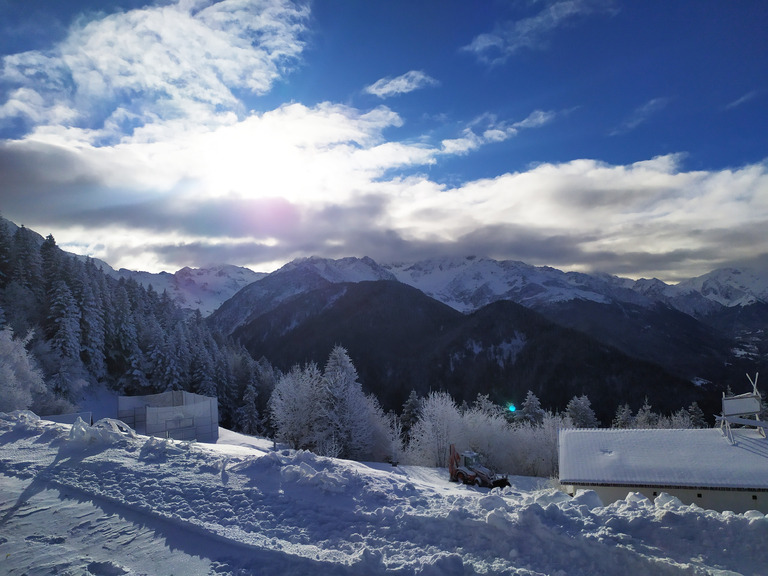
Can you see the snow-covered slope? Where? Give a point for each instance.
(342, 270)
(95, 501)
(467, 284)
(195, 288)
(470, 283)
(727, 286)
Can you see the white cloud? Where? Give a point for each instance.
(180, 171)
(493, 131)
(408, 82)
(748, 97)
(145, 67)
(533, 32)
(640, 115)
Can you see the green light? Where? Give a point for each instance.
(512, 407)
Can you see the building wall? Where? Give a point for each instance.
(177, 414)
(738, 501)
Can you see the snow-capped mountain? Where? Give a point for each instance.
(706, 328)
(349, 269)
(204, 289)
(727, 286)
(467, 284)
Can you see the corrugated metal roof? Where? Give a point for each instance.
(701, 458)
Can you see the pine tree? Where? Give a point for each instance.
(343, 420)
(51, 259)
(64, 319)
(201, 373)
(531, 410)
(623, 417)
(697, 416)
(5, 255)
(121, 335)
(645, 417)
(27, 268)
(580, 411)
(92, 331)
(248, 414)
(410, 414)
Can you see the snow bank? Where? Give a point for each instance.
(227, 513)
(104, 431)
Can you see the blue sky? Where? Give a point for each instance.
(590, 135)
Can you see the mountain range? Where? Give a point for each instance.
(476, 325)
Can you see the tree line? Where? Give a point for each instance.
(65, 325)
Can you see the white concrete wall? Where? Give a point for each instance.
(177, 414)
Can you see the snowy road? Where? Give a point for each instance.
(100, 502)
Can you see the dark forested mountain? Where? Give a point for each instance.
(699, 330)
(402, 340)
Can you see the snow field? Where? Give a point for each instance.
(256, 510)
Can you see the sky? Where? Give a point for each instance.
(590, 135)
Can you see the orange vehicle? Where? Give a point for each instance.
(466, 468)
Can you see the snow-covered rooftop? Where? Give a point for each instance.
(679, 458)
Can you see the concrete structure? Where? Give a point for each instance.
(177, 414)
(706, 467)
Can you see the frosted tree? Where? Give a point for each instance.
(5, 255)
(580, 412)
(121, 336)
(92, 331)
(645, 417)
(293, 406)
(20, 378)
(201, 373)
(410, 414)
(248, 415)
(623, 417)
(27, 267)
(439, 426)
(487, 432)
(64, 320)
(64, 334)
(51, 262)
(533, 448)
(344, 412)
(697, 416)
(677, 420)
(531, 410)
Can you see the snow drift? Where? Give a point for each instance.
(103, 500)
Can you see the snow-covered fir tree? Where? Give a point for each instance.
(248, 415)
(343, 419)
(410, 414)
(623, 418)
(580, 412)
(646, 417)
(697, 418)
(531, 410)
